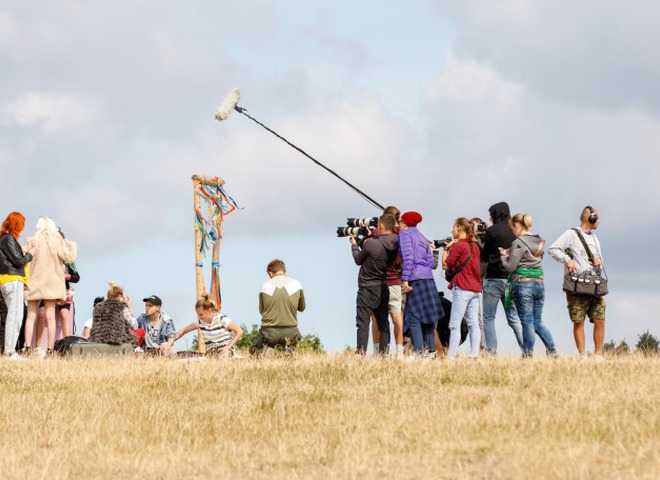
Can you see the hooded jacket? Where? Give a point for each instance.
(526, 251)
(498, 235)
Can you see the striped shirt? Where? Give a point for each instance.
(217, 333)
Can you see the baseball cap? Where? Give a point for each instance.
(154, 300)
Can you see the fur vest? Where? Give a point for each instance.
(109, 324)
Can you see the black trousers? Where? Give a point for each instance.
(372, 300)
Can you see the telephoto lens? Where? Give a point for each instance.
(362, 222)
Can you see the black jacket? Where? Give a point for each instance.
(12, 260)
(497, 235)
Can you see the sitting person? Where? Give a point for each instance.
(157, 326)
(219, 332)
(87, 327)
(280, 299)
(113, 322)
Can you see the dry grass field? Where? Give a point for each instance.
(331, 416)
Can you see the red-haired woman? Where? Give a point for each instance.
(47, 276)
(13, 278)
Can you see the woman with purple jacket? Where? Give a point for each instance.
(423, 309)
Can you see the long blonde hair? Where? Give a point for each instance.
(45, 231)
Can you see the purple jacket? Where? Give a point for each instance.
(415, 251)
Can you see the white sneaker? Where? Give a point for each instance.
(16, 356)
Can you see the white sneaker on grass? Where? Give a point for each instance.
(16, 356)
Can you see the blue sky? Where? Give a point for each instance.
(106, 110)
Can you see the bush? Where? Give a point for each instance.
(648, 344)
(612, 348)
(308, 343)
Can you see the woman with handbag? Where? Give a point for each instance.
(64, 309)
(461, 262)
(525, 284)
(47, 277)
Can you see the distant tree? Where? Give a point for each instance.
(648, 344)
(611, 348)
(622, 348)
(308, 343)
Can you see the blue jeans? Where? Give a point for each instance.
(464, 304)
(12, 292)
(494, 294)
(529, 297)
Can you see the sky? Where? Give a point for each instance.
(443, 107)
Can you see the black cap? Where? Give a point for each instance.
(154, 300)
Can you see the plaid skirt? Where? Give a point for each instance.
(423, 303)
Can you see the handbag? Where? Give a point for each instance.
(591, 282)
(450, 275)
(68, 298)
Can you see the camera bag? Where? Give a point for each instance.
(592, 282)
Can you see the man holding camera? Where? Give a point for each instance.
(570, 250)
(498, 235)
(374, 257)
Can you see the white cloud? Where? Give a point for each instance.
(53, 114)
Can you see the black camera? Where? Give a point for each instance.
(481, 228)
(442, 243)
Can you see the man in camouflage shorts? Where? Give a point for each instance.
(569, 250)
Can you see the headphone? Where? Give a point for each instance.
(593, 216)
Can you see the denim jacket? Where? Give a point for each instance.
(167, 329)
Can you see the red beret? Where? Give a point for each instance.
(411, 218)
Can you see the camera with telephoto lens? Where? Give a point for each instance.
(360, 228)
(442, 243)
(352, 231)
(363, 222)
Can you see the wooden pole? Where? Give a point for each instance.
(199, 180)
(199, 260)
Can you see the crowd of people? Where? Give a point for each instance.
(36, 283)
(484, 266)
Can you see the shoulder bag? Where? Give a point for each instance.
(592, 282)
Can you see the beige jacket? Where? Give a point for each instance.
(46, 276)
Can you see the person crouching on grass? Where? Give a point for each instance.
(157, 326)
(219, 332)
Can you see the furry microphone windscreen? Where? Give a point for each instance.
(228, 103)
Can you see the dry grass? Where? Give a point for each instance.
(335, 416)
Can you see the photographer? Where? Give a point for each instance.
(423, 309)
(461, 258)
(480, 228)
(498, 235)
(374, 257)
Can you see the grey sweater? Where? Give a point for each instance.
(526, 251)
